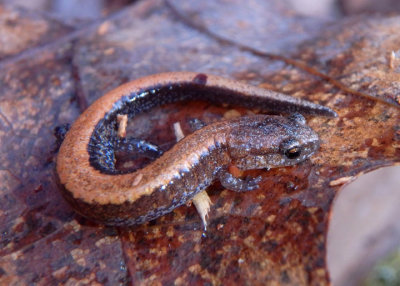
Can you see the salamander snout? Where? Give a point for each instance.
(264, 141)
(302, 141)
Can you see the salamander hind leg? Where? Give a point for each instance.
(138, 147)
(236, 184)
(60, 132)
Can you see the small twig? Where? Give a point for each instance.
(178, 131)
(202, 202)
(122, 120)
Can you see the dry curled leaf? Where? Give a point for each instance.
(274, 235)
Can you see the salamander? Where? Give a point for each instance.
(96, 189)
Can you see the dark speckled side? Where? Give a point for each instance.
(168, 197)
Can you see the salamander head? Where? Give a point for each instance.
(264, 141)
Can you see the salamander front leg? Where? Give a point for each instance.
(196, 124)
(236, 184)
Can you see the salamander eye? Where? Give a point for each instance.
(293, 152)
(291, 148)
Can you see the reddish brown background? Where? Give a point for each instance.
(53, 65)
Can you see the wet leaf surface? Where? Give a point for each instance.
(274, 235)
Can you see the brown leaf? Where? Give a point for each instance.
(274, 235)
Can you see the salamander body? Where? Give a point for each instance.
(96, 189)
